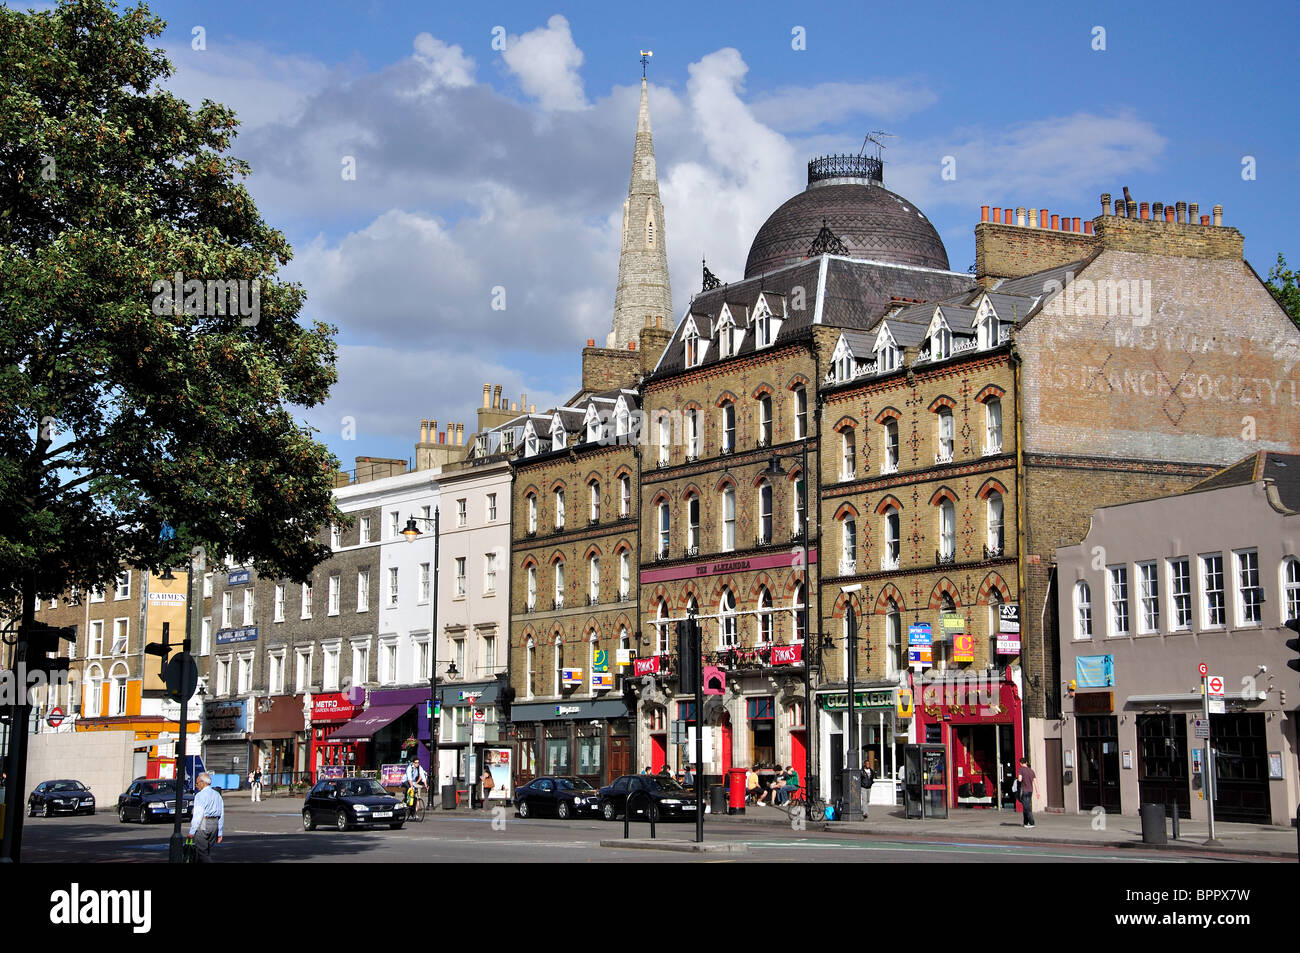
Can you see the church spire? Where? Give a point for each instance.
(643, 291)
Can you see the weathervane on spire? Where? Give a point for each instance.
(645, 59)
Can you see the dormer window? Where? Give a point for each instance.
(762, 328)
(530, 443)
(593, 425)
(692, 345)
(724, 338)
(844, 367)
(621, 421)
(941, 343)
(988, 331)
(887, 359)
(559, 439)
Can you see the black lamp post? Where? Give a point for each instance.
(852, 808)
(773, 471)
(412, 532)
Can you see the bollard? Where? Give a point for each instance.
(1153, 823)
(1175, 818)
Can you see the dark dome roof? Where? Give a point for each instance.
(871, 220)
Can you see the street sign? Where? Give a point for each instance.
(679, 733)
(182, 677)
(56, 717)
(1216, 686)
(1203, 669)
(1218, 706)
(1201, 727)
(480, 732)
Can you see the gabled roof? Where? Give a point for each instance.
(1282, 468)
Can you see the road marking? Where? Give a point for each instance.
(926, 848)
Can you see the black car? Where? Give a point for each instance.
(563, 797)
(667, 798)
(152, 799)
(60, 797)
(352, 802)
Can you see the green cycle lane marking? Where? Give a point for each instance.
(894, 846)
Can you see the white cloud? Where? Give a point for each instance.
(546, 61)
(804, 108)
(448, 66)
(261, 85)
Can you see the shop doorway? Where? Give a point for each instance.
(1098, 763)
(761, 715)
(620, 757)
(799, 752)
(1055, 789)
(975, 764)
(837, 766)
(658, 752)
(726, 742)
(1240, 768)
(1162, 762)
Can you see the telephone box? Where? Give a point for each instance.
(925, 781)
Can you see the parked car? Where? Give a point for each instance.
(352, 802)
(152, 799)
(668, 799)
(563, 797)
(60, 797)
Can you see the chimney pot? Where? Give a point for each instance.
(1020, 216)
(997, 216)
(631, 345)
(1182, 212)
(984, 213)
(1033, 218)
(1056, 222)
(1169, 213)
(1144, 209)
(1193, 211)
(1131, 208)
(1043, 218)
(1076, 224)
(460, 435)
(496, 398)
(591, 342)
(487, 391)
(1218, 216)
(424, 431)
(1205, 220)
(442, 437)
(1087, 228)
(1105, 203)
(532, 408)
(1157, 209)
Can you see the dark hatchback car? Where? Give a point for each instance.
(667, 798)
(352, 802)
(152, 799)
(562, 797)
(60, 797)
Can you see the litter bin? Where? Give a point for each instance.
(717, 799)
(1153, 823)
(449, 797)
(736, 790)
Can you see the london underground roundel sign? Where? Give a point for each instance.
(56, 717)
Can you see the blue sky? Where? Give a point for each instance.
(478, 168)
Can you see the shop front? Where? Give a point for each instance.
(278, 730)
(589, 740)
(881, 733)
(330, 711)
(977, 717)
(469, 721)
(225, 723)
(401, 730)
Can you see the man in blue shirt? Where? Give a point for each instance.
(208, 824)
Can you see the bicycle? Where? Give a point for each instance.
(813, 809)
(415, 805)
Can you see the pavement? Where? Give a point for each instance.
(1109, 830)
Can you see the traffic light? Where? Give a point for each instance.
(42, 640)
(1294, 645)
(688, 655)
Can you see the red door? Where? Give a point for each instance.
(658, 752)
(799, 752)
(726, 742)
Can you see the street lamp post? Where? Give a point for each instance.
(852, 810)
(412, 532)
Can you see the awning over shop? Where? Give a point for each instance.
(1170, 698)
(603, 708)
(271, 735)
(367, 725)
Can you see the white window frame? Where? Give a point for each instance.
(593, 579)
(275, 671)
(1119, 620)
(992, 426)
(121, 637)
(462, 512)
(388, 661)
(302, 666)
(1182, 599)
(121, 588)
(559, 509)
(665, 439)
(728, 621)
(365, 530)
(360, 661)
(278, 603)
(800, 412)
(593, 493)
(946, 435)
(227, 608)
(1289, 586)
(489, 574)
(625, 495)
(624, 575)
(766, 422)
(1082, 610)
(530, 592)
(363, 590)
(491, 507)
(994, 518)
(532, 513)
(559, 584)
(1148, 578)
(848, 546)
(331, 665)
(461, 582)
(848, 454)
(306, 600)
(892, 553)
(1208, 606)
(335, 584)
(693, 523)
(250, 606)
(394, 580)
(889, 459)
(728, 443)
(947, 529)
(728, 519)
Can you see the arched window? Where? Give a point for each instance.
(117, 694)
(947, 531)
(940, 343)
(727, 636)
(532, 588)
(559, 584)
(661, 628)
(665, 529)
(1082, 610)
(531, 686)
(988, 331)
(532, 514)
(848, 546)
(889, 462)
(798, 505)
(800, 412)
(894, 656)
(1290, 588)
(995, 623)
(692, 525)
(692, 421)
(764, 514)
(848, 454)
(893, 542)
(559, 509)
(992, 426)
(665, 439)
(594, 493)
(728, 427)
(624, 576)
(691, 345)
(559, 663)
(797, 611)
(766, 624)
(944, 454)
(994, 517)
(625, 495)
(593, 580)
(621, 422)
(765, 432)
(728, 519)
(94, 690)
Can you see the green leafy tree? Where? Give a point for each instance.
(120, 412)
(1285, 286)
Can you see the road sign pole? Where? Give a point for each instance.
(1209, 756)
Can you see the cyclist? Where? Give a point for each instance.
(416, 782)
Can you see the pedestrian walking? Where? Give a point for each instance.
(488, 785)
(255, 784)
(865, 780)
(208, 823)
(1026, 781)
